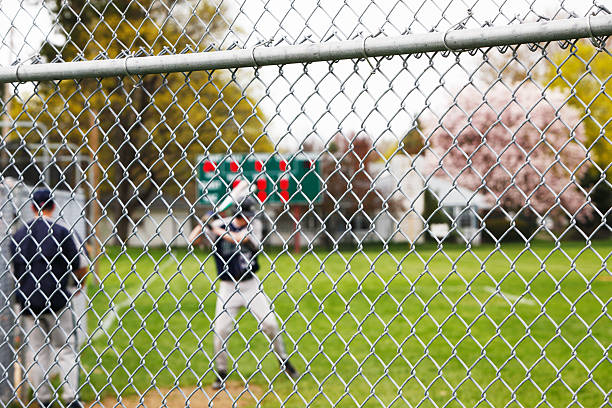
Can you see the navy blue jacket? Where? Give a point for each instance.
(44, 256)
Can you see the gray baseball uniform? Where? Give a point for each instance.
(44, 258)
(239, 287)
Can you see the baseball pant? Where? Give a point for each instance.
(231, 297)
(45, 335)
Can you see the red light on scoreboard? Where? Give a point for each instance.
(258, 165)
(282, 165)
(283, 184)
(234, 167)
(262, 183)
(209, 166)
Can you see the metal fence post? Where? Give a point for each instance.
(7, 318)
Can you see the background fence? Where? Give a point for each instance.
(433, 180)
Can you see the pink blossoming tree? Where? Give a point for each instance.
(522, 148)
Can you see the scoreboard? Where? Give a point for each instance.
(295, 179)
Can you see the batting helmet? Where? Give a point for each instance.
(247, 207)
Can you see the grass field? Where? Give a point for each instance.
(373, 328)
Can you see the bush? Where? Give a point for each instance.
(498, 227)
(600, 192)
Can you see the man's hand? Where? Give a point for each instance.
(235, 237)
(207, 218)
(218, 231)
(81, 275)
(196, 235)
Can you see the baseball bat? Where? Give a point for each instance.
(238, 193)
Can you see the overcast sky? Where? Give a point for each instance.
(317, 102)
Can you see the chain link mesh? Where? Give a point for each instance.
(430, 229)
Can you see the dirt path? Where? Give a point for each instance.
(235, 393)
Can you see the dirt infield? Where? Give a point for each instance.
(234, 393)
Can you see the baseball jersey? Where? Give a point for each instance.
(44, 255)
(236, 261)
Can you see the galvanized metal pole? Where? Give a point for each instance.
(555, 30)
(7, 287)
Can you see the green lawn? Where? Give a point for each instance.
(369, 327)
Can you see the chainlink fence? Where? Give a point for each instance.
(431, 190)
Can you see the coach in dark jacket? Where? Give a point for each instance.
(45, 260)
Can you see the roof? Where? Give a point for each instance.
(452, 195)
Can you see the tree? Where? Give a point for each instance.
(523, 149)
(411, 143)
(152, 127)
(582, 72)
(349, 191)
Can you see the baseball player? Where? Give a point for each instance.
(235, 243)
(45, 260)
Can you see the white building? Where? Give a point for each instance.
(400, 183)
(166, 222)
(461, 205)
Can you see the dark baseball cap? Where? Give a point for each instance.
(43, 198)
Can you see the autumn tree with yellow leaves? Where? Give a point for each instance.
(150, 129)
(582, 72)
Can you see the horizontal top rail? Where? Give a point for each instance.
(554, 30)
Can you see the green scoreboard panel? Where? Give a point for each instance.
(274, 179)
